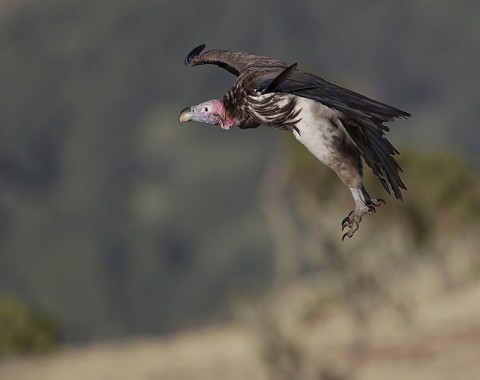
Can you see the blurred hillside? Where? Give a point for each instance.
(439, 341)
(120, 222)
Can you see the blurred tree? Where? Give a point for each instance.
(120, 222)
(23, 330)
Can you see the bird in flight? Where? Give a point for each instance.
(338, 126)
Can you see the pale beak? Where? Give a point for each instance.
(185, 115)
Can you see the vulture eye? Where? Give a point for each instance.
(206, 109)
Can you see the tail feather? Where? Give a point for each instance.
(378, 154)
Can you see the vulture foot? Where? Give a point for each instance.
(353, 219)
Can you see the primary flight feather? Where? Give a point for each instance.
(339, 126)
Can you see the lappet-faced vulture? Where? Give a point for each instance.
(338, 126)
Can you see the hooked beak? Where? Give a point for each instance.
(185, 115)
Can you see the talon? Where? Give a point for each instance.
(375, 202)
(353, 221)
(354, 218)
(346, 222)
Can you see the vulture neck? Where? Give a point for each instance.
(227, 119)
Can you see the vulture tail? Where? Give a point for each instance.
(378, 154)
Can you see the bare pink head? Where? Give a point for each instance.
(210, 112)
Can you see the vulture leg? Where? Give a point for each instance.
(364, 204)
(321, 131)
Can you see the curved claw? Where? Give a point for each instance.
(350, 232)
(372, 203)
(375, 202)
(346, 222)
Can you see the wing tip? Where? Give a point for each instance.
(404, 115)
(277, 81)
(193, 53)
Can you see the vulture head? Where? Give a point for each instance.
(209, 112)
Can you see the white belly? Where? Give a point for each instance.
(319, 130)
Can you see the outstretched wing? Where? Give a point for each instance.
(234, 62)
(363, 119)
(349, 102)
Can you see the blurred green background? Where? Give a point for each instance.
(115, 221)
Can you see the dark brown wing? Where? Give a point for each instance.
(234, 62)
(348, 102)
(362, 118)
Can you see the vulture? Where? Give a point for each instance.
(338, 126)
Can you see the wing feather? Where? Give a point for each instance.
(349, 102)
